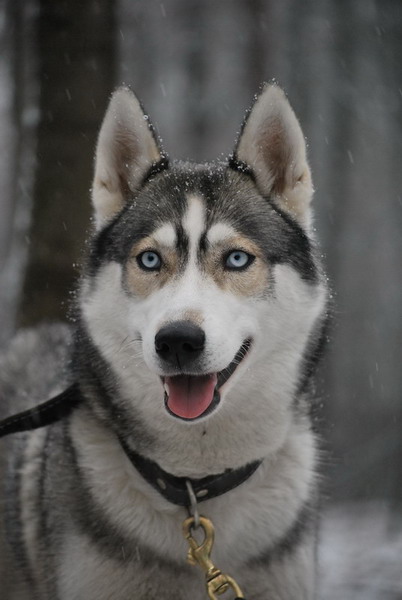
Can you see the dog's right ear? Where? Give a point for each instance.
(126, 150)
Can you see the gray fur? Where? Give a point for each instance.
(80, 522)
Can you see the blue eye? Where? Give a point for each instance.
(238, 260)
(149, 261)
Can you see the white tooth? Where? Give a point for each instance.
(166, 387)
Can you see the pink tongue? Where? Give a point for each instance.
(190, 395)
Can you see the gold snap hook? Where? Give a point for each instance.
(217, 583)
(200, 552)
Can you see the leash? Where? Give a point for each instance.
(178, 490)
(44, 414)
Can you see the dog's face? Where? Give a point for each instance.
(203, 287)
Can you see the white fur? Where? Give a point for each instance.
(194, 224)
(257, 513)
(255, 406)
(165, 235)
(219, 232)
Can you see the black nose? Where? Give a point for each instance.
(180, 342)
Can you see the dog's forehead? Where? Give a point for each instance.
(204, 202)
(195, 224)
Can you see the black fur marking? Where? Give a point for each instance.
(182, 240)
(100, 246)
(313, 353)
(209, 184)
(302, 525)
(13, 516)
(299, 246)
(156, 168)
(241, 167)
(203, 244)
(289, 220)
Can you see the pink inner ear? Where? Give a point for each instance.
(276, 153)
(126, 149)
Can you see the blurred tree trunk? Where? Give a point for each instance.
(76, 42)
(18, 122)
(18, 103)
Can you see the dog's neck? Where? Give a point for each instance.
(176, 489)
(229, 439)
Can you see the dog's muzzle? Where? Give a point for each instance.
(187, 396)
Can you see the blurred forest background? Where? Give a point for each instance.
(196, 65)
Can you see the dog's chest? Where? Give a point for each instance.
(248, 520)
(101, 577)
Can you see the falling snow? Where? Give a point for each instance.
(196, 66)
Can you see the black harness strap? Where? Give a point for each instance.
(172, 488)
(44, 414)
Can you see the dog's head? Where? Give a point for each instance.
(203, 288)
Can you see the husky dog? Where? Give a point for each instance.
(198, 323)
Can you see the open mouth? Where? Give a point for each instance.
(190, 397)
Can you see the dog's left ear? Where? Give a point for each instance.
(126, 150)
(273, 146)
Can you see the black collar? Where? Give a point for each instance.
(173, 488)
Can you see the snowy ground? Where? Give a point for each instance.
(361, 553)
